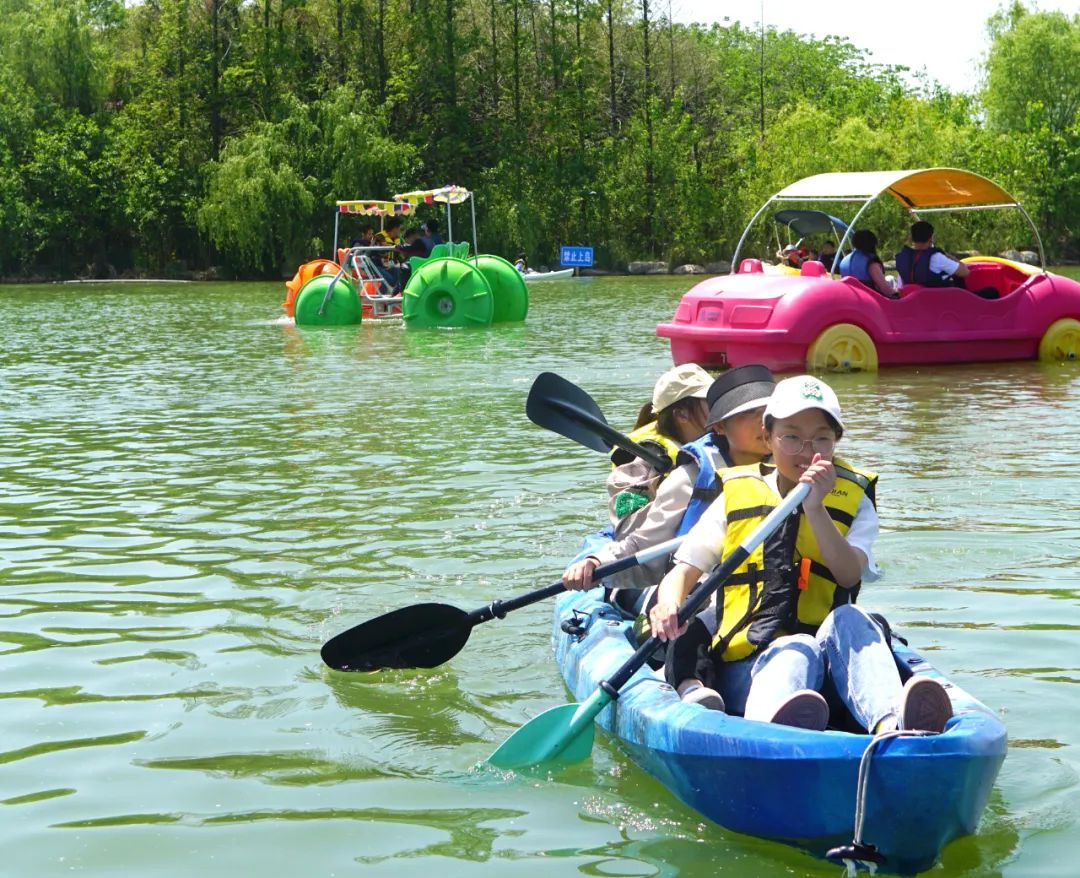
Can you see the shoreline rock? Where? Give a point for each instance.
(644, 267)
(721, 266)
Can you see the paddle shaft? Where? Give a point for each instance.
(428, 635)
(559, 735)
(498, 609)
(704, 589)
(610, 435)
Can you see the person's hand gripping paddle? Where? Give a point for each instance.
(427, 635)
(564, 734)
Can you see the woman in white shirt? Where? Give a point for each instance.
(786, 620)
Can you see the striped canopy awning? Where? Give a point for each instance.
(375, 208)
(442, 195)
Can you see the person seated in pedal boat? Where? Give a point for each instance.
(675, 415)
(385, 262)
(791, 256)
(785, 621)
(864, 264)
(827, 254)
(736, 403)
(522, 263)
(409, 246)
(431, 237)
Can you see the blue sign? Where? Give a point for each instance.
(575, 256)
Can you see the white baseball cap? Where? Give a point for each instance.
(794, 395)
(681, 382)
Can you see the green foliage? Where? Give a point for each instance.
(1032, 71)
(357, 155)
(62, 181)
(258, 207)
(172, 132)
(1032, 97)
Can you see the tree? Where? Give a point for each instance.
(258, 207)
(559, 113)
(1032, 96)
(1032, 70)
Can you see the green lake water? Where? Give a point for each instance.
(193, 497)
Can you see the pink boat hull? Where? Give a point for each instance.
(772, 319)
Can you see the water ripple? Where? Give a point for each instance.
(192, 504)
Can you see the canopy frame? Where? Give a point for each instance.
(367, 207)
(876, 183)
(834, 223)
(448, 195)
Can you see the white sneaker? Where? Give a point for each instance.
(706, 697)
(805, 709)
(925, 706)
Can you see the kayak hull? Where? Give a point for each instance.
(533, 277)
(786, 784)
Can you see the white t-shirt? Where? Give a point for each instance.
(939, 264)
(703, 545)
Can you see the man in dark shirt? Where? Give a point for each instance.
(827, 254)
(431, 235)
(412, 244)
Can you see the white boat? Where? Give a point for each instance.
(531, 276)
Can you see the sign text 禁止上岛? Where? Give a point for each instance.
(576, 256)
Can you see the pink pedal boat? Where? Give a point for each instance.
(810, 319)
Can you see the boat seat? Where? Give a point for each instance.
(812, 268)
(751, 266)
(1003, 278)
(440, 251)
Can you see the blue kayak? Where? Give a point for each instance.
(782, 783)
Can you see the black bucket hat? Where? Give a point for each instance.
(739, 390)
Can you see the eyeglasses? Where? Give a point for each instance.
(794, 445)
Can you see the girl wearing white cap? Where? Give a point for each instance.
(735, 403)
(676, 415)
(785, 619)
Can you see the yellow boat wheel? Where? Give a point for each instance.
(842, 348)
(1061, 342)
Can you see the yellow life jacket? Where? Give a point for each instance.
(783, 586)
(648, 435)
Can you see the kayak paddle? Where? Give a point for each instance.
(564, 734)
(561, 406)
(427, 635)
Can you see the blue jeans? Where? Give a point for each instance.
(390, 275)
(849, 647)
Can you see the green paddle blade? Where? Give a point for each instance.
(559, 736)
(420, 636)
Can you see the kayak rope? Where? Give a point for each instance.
(860, 853)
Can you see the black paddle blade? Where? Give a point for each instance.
(420, 636)
(543, 409)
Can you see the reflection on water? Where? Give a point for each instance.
(195, 496)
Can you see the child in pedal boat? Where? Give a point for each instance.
(783, 622)
(736, 402)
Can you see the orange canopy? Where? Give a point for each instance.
(921, 189)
